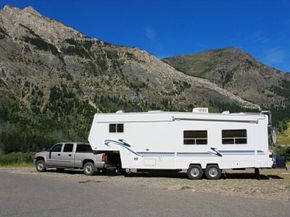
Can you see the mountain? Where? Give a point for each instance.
(54, 78)
(240, 73)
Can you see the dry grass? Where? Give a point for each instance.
(16, 165)
(284, 138)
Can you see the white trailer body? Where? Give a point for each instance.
(176, 140)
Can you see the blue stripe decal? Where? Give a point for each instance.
(237, 152)
(186, 154)
(195, 154)
(157, 154)
(260, 152)
(120, 144)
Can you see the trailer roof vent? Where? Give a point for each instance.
(119, 111)
(226, 112)
(200, 110)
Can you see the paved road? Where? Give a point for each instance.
(37, 195)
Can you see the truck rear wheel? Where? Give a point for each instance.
(194, 172)
(213, 172)
(89, 169)
(40, 166)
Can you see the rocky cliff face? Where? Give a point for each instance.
(239, 73)
(44, 53)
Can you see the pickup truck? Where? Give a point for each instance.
(70, 155)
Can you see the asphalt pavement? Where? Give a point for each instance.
(35, 195)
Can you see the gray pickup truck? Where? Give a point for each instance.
(70, 155)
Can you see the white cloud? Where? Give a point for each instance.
(275, 56)
(150, 33)
(260, 37)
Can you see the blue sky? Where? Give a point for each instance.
(175, 27)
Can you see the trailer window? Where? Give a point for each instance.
(116, 128)
(195, 137)
(231, 137)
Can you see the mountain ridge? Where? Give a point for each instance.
(235, 70)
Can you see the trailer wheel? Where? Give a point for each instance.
(40, 166)
(194, 172)
(213, 172)
(89, 169)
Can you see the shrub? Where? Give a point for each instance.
(16, 158)
(41, 44)
(283, 151)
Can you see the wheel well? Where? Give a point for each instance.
(39, 158)
(194, 165)
(213, 165)
(86, 161)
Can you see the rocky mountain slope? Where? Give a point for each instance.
(46, 50)
(239, 73)
(54, 78)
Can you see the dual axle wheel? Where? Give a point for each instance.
(211, 172)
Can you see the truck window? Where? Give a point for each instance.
(83, 148)
(116, 128)
(232, 137)
(195, 137)
(68, 148)
(56, 148)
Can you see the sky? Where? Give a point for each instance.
(167, 28)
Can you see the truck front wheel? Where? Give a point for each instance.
(40, 166)
(89, 169)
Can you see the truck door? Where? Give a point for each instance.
(82, 152)
(68, 155)
(54, 158)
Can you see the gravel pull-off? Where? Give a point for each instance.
(273, 185)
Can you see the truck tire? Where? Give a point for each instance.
(213, 172)
(89, 169)
(40, 166)
(194, 172)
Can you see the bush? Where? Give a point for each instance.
(16, 158)
(41, 44)
(283, 151)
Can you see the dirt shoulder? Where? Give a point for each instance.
(274, 183)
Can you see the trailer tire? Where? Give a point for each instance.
(89, 169)
(40, 166)
(194, 172)
(213, 172)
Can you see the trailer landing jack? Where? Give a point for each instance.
(257, 173)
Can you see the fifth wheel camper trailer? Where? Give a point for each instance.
(197, 142)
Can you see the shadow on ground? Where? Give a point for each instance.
(171, 174)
